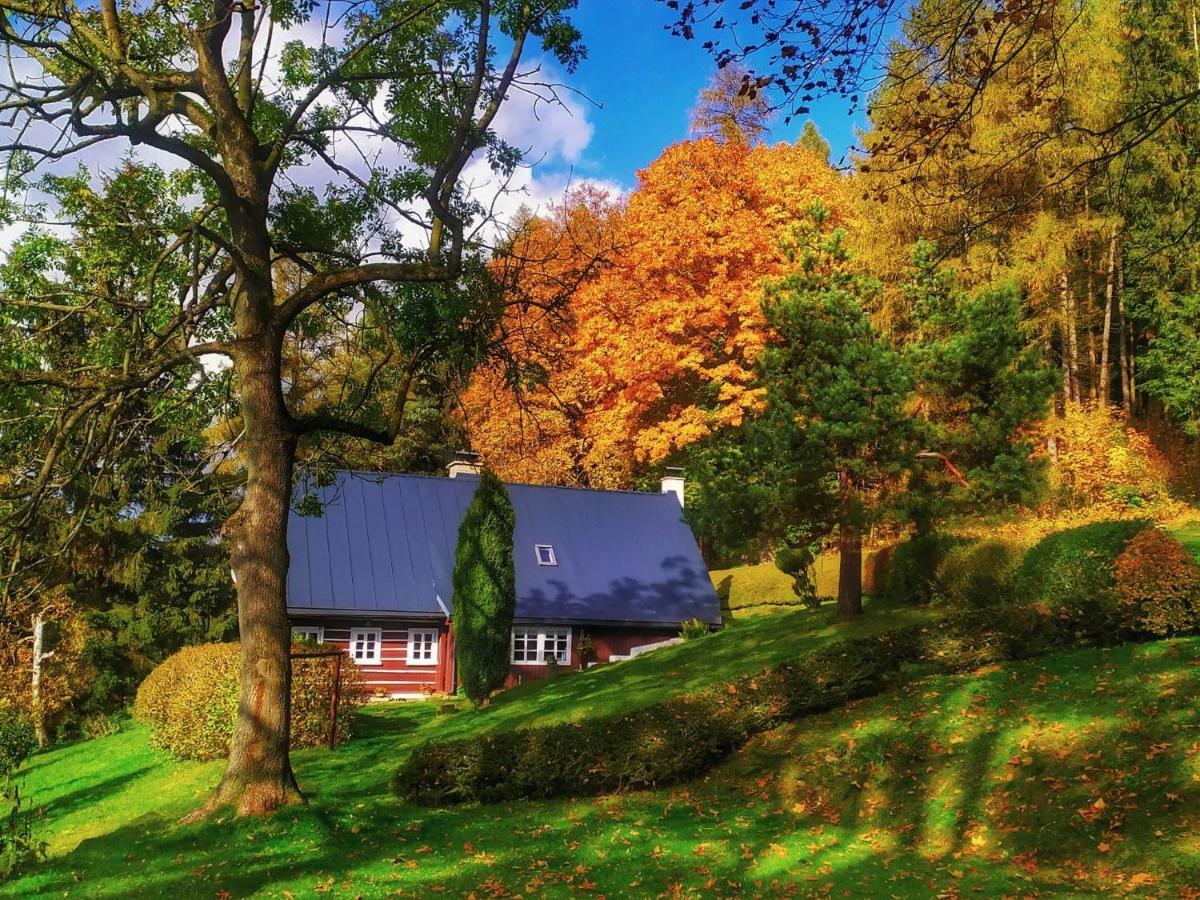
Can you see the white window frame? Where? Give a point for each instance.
(433, 649)
(318, 632)
(358, 635)
(537, 554)
(539, 633)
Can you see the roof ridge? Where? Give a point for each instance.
(558, 487)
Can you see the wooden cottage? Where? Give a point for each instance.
(618, 570)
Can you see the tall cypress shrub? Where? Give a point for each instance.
(485, 590)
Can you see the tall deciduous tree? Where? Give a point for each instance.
(733, 107)
(384, 106)
(657, 348)
(485, 590)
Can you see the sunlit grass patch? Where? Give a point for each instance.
(1077, 773)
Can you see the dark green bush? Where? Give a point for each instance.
(1069, 575)
(681, 737)
(656, 745)
(485, 591)
(17, 741)
(913, 571)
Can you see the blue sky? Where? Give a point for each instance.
(645, 81)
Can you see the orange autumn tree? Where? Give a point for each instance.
(656, 348)
(523, 410)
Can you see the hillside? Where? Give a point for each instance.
(135, 786)
(1080, 770)
(761, 588)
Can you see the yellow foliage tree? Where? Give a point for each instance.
(1102, 461)
(656, 349)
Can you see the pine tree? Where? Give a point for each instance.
(485, 590)
(835, 428)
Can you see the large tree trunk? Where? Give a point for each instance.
(1110, 287)
(258, 777)
(849, 552)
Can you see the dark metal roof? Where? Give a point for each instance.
(384, 545)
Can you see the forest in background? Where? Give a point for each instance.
(643, 333)
(1033, 182)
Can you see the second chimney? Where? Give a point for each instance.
(464, 463)
(672, 483)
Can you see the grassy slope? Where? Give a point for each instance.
(92, 789)
(1077, 772)
(1188, 533)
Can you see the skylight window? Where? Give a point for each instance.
(545, 555)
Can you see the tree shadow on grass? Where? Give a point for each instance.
(95, 792)
(966, 784)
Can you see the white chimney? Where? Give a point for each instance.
(672, 483)
(464, 463)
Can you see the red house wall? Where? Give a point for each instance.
(393, 675)
(398, 679)
(607, 641)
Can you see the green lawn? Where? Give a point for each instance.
(93, 788)
(1076, 773)
(1189, 535)
(759, 589)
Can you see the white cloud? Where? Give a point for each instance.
(546, 121)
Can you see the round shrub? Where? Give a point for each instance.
(979, 573)
(1158, 585)
(17, 741)
(1069, 575)
(190, 700)
(912, 572)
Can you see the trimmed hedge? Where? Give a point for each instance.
(190, 700)
(1157, 584)
(980, 573)
(662, 743)
(681, 737)
(1070, 576)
